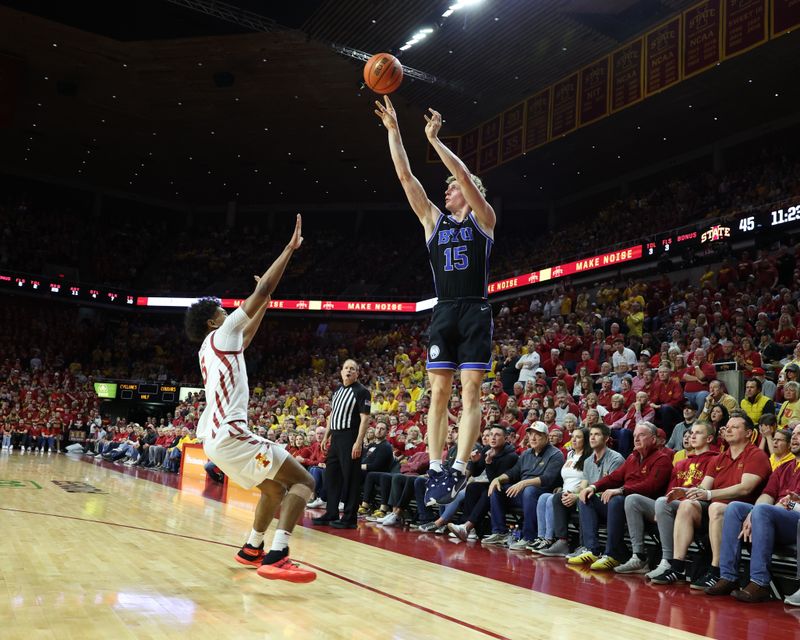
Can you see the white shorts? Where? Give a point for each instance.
(247, 459)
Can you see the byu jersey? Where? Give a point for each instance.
(459, 256)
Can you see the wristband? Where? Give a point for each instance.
(792, 506)
(708, 495)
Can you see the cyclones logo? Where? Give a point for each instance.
(262, 460)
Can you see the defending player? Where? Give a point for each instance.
(244, 457)
(459, 245)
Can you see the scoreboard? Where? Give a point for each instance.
(747, 226)
(147, 392)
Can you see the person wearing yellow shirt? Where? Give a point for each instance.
(780, 448)
(172, 458)
(635, 320)
(790, 408)
(401, 360)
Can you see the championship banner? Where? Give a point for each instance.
(785, 16)
(537, 118)
(663, 56)
(469, 143)
(594, 91)
(564, 111)
(11, 71)
(627, 75)
(451, 142)
(745, 26)
(702, 42)
(513, 123)
(489, 155)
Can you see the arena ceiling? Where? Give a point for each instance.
(122, 97)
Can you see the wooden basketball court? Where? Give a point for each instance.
(89, 552)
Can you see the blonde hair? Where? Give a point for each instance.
(475, 180)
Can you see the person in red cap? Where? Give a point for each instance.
(768, 387)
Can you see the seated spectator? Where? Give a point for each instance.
(642, 510)
(214, 472)
(666, 398)
(790, 407)
(401, 488)
(781, 448)
(768, 388)
(738, 472)
(790, 373)
(716, 395)
(536, 472)
(645, 471)
(616, 409)
(772, 521)
(622, 429)
(718, 418)
(767, 426)
(696, 378)
(314, 461)
(754, 404)
(573, 480)
(627, 392)
(376, 461)
(600, 463)
(683, 427)
(564, 405)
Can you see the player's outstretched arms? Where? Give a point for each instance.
(480, 207)
(427, 212)
(256, 304)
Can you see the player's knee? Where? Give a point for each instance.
(303, 490)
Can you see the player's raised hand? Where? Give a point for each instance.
(386, 113)
(433, 124)
(297, 236)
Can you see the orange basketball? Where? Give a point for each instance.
(383, 73)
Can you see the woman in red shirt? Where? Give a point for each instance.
(747, 357)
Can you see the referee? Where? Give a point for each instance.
(346, 428)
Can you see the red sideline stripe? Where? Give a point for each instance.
(356, 583)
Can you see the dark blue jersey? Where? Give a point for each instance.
(459, 256)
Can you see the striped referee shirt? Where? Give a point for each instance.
(347, 405)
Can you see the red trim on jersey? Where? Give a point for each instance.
(220, 352)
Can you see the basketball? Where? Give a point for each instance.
(383, 73)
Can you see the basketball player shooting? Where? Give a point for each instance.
(459, 245)
(247, 459)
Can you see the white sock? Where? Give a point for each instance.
(460, 465)
(436, 465)
(281, 540)
(256, 538)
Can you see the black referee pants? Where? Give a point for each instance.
(342, 473)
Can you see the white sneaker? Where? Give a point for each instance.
(473, 535)
(29, 449)
(662, 566)
(499, 539)
(578, 552)
(459, 531)
(793, 600)
(634, 565)
(317, 503)
(390, 520)
(341, 506)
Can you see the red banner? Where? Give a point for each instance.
(537, 117)
(490, 131)
(469, 143)
(663, 56)
(451, 142)
(511, 146)
(785, 16)
(564, 113)
(11, 71)
(571, 268)
(514, 118)
(626, 75)
(489, 157)
(745, 26)
(701, 37)
(594, 91)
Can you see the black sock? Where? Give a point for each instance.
(272, 556)
(678, 565)
(641, 556)
(715, 571)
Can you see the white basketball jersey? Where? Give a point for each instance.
(224, 376)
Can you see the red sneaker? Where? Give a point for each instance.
(250, 555)
(285, 569)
